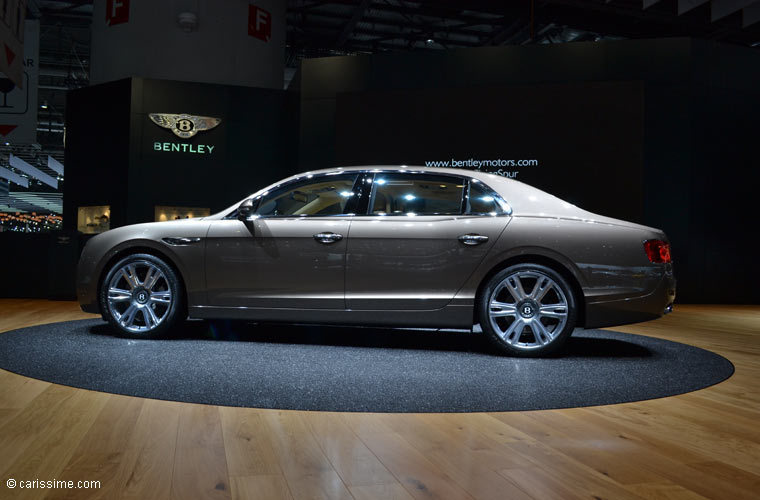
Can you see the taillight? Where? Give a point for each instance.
(658, 251)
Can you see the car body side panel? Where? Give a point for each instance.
(605, 257)
(450, 316)
(400, 262)
(601, 312)
(188, 259)
(607, 261)
(279, 265)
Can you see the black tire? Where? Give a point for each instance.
(510, 329)
(165, 297)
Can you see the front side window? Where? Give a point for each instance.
(416, 194)
(324, 195)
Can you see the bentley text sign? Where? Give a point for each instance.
(183, 147)
(185, 127)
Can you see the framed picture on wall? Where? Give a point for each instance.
(94, 220)
(164, 213)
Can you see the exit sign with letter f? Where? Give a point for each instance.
(259, 23)
(117, 12)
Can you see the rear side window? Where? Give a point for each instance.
(483, 200)
(416, 194)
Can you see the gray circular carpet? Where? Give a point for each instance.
(357, 369)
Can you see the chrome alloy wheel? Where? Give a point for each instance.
(528, 309)
(139, 296)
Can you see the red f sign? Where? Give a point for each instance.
(259, 23)
(117, 12)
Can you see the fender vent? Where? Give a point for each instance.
(181, 241)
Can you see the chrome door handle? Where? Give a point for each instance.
(473, 239)
(328, 238)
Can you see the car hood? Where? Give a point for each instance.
(196, 227)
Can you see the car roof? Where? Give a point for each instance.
(523, 198)
(399, 168)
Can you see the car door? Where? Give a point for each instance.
(418, 242)
(290, 253)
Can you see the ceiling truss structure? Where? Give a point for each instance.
(331, 27)
(323, 27)
(318, 28)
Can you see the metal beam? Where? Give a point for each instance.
(14, 177)
(55, 165)
(654, 15)
(648, 3)
(20, 164)
(460, 28)
(446, 12)
(751, 15)
(381, 35)
(74, 5)
(722, 8)
(351, 24)
(685, 6)
(324, 46)
(499, 36)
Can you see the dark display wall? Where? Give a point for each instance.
(566, 136)
(117, 156)
(112, 159)
(97, 150)
(659, 132)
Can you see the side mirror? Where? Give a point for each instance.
(245, 209)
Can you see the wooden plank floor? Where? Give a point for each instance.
(705, 444)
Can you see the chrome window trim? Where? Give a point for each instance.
(369, 175)
(500, 200)
(266, 217)
(464, 179)
(257, 199)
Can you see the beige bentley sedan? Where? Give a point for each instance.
(386, 245)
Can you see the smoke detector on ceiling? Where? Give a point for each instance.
(187, 21)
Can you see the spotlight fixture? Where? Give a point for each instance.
(187, 21)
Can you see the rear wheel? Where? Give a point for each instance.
(142, 297)
(527, 310)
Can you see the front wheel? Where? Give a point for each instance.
(527, 310)
(142, 297)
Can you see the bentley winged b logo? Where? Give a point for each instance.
(183, 125)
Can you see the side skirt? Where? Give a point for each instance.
(451, 316)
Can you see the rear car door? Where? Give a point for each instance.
(416, 245)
